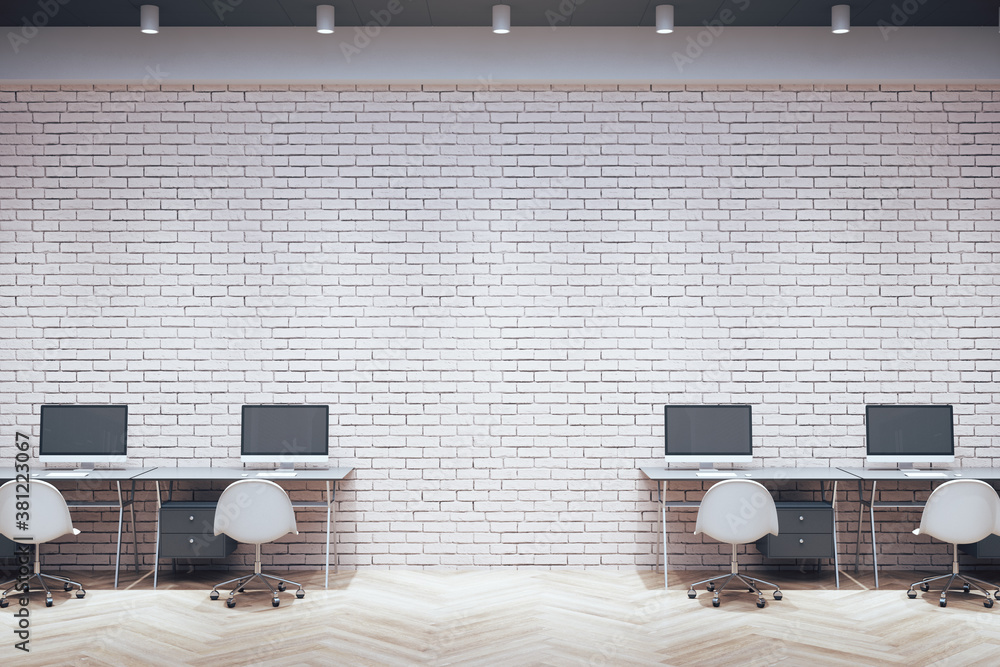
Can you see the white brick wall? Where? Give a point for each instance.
(496, 290)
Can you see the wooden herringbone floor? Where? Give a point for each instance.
(506, 617)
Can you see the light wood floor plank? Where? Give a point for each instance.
(507, 617)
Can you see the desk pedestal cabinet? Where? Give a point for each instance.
(805, 530)
(187, 531)
(988, 548)
(6, 547)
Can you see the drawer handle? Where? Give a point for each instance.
(802, 518)
(801, 541)
(191, 541)
(191, 518)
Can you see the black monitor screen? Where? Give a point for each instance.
(83, 430)
(285, 430)
(909, 430)
(708, 430)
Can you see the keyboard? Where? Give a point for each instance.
(276, 474)
(715, 473)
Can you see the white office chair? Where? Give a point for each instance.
(962, 511)
(47, 518)
(736, 511)
(255, 511)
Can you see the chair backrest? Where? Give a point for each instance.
(961, 511)
(254, 511)
(737, 511)
(48, 514)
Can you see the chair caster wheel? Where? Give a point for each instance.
(710, 587)
(943, 602)
(965, 588)
(691, 594)
(988, 602)
(777, 595)
(80, 594)
(275, 602)
(48, 602)
(997, 595)
(67, 587)
(715, 602)
(924, 587)
(240, 590)
(214, 595)
(4, 604)
(230, 603)
(750, 590)
(281, 587)
(760, 603)
(300, 594)
(912, 594)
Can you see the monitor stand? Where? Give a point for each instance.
(707, 470)
(284, 469)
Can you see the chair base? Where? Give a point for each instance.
(15, 585)
(968, 583)
(240, 583)
(752, 584)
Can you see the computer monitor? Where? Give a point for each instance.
(285, 434)
(707, 434)
(83, 434)
(909, 434)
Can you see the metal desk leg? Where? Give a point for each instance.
(329, 506)
(121, 514)
(861, 516)
(661, 492)
(156, 552)
(871, 518)
(135, 541)
(836, 558)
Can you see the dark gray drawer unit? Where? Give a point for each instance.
(6, 547)
(988, 548)
(805, 530)
(187, 531)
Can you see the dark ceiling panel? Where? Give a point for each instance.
(749, 13)
(817, 13)
(523, 12)
(686, 12)
(621, 13)
(411, 12)
(480, 12)
(251, 13)
(303, 12)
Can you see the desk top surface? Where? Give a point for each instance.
(928, 474)
(659, 473)
(69, 474)
(221, 473)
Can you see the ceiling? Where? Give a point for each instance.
(523, 12)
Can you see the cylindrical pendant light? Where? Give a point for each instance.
(149, 19)
(664, 19)
(840, 19)
(324, 19)
(501, 19)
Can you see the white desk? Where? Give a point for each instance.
(662, 476)
(91, 481)
(876, 475)
(171, 475)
